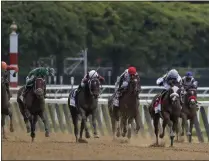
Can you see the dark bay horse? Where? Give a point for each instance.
(171, 109)
(189, 112)
(86, 104)
(5, 108)
(34, 103)
(127, 111)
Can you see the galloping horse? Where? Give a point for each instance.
(86, 104)
(188, 112)
(171, 108)
(5, 107)
(34, 103)
(127, 110)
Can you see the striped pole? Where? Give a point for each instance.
(13, 51)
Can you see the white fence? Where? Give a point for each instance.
(57, 91)
(105, 102)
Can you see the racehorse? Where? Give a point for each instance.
(171, 109)
(5, 108)
(86, 104)
(127, 111)
(34, 103)
(188, 112)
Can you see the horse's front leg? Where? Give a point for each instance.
(185, 125)
(165, 121)
(26, 119)
(190, 129)
(41, 115)
(156, 119)
(11, 120)
(94, 113)
(130, 120)
(175, 127)
(124, 126)
(170, 124)
(116, 113)
(33, 120)
(83, 126)
(137, 119)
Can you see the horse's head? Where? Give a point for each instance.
(174, 94)
(191, 97)
(39, 87)
(94, 87)
(133, 86)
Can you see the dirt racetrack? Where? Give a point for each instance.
(62, 146)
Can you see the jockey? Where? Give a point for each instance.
(166, 80)
(122, 82)
(87, 77)
(188, 81)
(37, 72)
(6, 68)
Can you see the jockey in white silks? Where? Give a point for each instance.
(122, 83)
(164, 81)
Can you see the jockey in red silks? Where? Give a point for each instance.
(6, 68)
(122, 83)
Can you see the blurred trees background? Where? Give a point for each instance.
(149, 35)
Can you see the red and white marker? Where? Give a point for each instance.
(13, 51)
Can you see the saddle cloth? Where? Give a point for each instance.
(72, 98)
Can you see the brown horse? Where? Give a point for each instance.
(86, 104)
(5, 108)
(34, 103)
(127, 111)
(171, 108)
(188, 112)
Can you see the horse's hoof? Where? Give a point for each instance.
(87, 135)
(123, 134)
(82, 140)
(46, 134)
(118, 134)
(96, 136)
(11, 129)
(161, 136)
(154, 145)
(129, 134)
